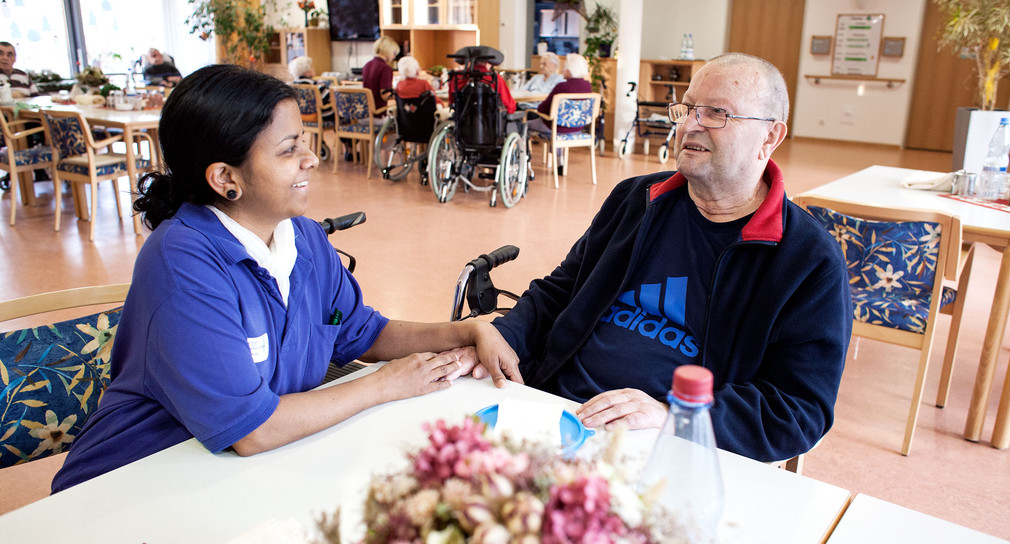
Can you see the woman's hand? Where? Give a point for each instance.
(417, 374)
(631, 407)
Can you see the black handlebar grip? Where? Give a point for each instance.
(343, 222)
(501, 255)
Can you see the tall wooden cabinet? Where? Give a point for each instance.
(288, 44)
(430, 29)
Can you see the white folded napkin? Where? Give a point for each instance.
(529, 419)
(929, 181)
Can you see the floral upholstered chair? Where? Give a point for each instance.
(14, 158)
(52, 376)
(80, 163)
(356, 119)
(572, 110)
(310, 103)
(897, 260)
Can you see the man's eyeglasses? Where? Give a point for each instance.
(707, 116)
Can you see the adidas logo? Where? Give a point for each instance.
(656, 313)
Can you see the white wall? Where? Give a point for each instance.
(835, 109)
(666, 22)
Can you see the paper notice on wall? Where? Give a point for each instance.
(857, 45)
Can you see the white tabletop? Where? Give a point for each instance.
(881, 186)
(185, 494)
(869, 520)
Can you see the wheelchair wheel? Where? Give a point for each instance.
(444, 160)
(664, 153)
(389, 154)
(622, 149)
(512, 171)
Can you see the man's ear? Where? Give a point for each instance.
(775, 136)
(223, 177)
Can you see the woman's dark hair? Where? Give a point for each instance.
(213, 115)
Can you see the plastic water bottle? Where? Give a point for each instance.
(690, 47)
(683, 48)
(683, 473)
(993, 179)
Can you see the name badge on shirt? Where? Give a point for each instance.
(260, 348)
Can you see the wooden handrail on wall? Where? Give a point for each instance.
(891, 82)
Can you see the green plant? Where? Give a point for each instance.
(982, 29)
(436, 70)
(92, 77)
(108, 88)
(240, 25)
(601, 33)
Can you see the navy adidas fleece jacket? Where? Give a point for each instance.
(776, 330)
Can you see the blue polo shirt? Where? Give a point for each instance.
(206, 345)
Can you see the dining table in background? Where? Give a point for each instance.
(869, 520)
(129, 121)
(881, 186)
(186, 494)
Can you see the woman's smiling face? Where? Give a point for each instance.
(274, 180)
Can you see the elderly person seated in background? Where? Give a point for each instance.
(159, 71)
(301, 70)
(544, 81)
(576, 74)
(412, 86)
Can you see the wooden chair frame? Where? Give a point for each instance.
(92, 160)
(14, 140)
(318, 132)
(556, 144)
(947, 267)
(62, 300)
(358, 137)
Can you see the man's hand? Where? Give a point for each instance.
(498, 360)
(631, 407)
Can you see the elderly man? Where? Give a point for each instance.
(20, 82)
(711, 265)
(545, 80)
(159, 71)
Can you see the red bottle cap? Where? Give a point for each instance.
(693, 383)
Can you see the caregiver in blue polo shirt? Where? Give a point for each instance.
(238, 303)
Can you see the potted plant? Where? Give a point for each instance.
(601, 31)
(240, 25)
(978, 29)
(89, 81)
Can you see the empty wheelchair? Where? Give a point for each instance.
(480, 138)
(403, 138)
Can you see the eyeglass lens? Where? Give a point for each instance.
(707, 116)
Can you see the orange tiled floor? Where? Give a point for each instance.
(411, 249)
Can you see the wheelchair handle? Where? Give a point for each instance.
(500, 256)
(343, 222)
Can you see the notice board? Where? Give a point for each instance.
(857, 45)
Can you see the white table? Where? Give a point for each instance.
(869, 520)
(185, 494)
(881, 186)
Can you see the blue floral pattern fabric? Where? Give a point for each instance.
(68, 135)
(351, 107)
(51, 379)
(27, 157)
(306, 100)
(892, 266)
(575, 113)
(574, 136)
(104, 170)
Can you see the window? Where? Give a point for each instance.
(38, 30)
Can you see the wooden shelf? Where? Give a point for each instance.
(890, 82)
(669, 83)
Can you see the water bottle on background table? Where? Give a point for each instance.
(992, 181)
(682, 474)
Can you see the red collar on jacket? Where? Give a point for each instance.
(766, 225)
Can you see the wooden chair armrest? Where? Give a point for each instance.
(23, 133)
(142, 136)
(381, 110)
(108, 141)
